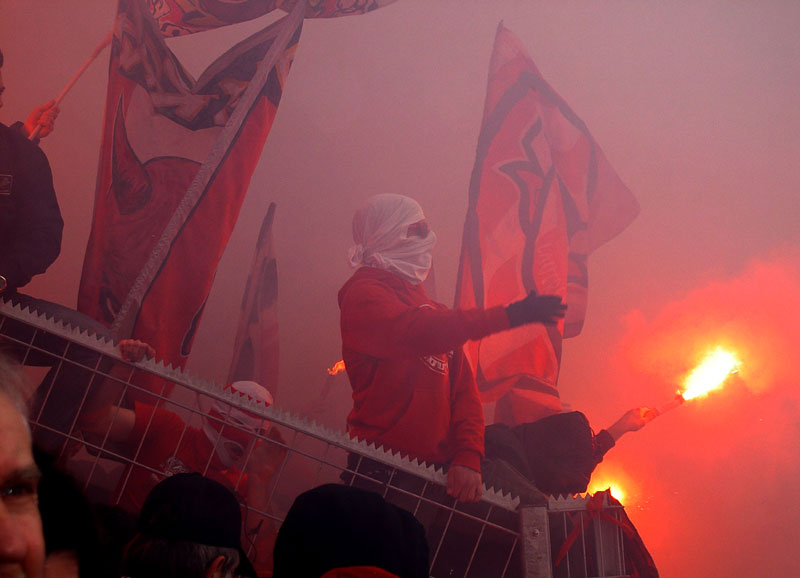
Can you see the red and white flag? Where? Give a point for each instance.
(175, 163)
(542, 196)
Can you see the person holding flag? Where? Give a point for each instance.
(413, 390)
(30, 219)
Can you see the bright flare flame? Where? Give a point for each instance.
(710, 374)
(338, 367)
(613, 487)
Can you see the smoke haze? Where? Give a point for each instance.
(695, 106)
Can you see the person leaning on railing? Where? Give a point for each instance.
(413, 389)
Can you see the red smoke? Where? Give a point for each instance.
(717, 473)
(755, 314)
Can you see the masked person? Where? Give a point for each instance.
(413, 389)
(162, 444)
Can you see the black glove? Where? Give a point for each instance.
(535, 309)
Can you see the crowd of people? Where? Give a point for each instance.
(413, 392)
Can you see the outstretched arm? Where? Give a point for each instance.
(632, 420)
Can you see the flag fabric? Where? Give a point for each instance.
(175, 162)
(542, 196)
(255, 351)
(180, 17)
(335, 8)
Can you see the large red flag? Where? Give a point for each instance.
(175, 163)
(255, 351)
(542, 196)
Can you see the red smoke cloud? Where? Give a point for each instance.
(717, 473)
(756, 314)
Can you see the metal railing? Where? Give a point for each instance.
(158, 412)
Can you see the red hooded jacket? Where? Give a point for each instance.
(413, 390)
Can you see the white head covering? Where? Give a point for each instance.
(380, 231)
(231, 442)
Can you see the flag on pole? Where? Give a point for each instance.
(255, 351)
(175, 162)
(542, 196)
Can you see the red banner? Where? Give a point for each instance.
(256, 349)
(542, 196)
(175, 163)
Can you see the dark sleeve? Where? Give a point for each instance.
(33, 239)
(602, 443)
(377, 323)
(19, 127)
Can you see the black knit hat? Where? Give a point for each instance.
(194, 508)
(336, 526)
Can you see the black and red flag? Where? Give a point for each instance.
(542, 196)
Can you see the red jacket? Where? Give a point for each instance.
(170, 446)
(413, 390)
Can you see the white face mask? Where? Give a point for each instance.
(233, 443)
(230, 452)
(383, 239)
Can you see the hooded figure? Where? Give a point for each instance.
(230, 429)
(413, 389)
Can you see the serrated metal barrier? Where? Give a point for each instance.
(120, 427)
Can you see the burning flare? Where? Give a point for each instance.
(338, 367)
(706, 377)
(710, 374)
(613, 487)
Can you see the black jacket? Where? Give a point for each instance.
(557, 453)
(30, 220)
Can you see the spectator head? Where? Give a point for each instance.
(68, 522)
(21, 540)
(230, 429)
(391, 233)
(189, 527)
(336, 530)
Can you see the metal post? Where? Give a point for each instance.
(535, 541)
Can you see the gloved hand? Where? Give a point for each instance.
(535, 309)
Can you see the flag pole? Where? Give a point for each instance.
(95, 53)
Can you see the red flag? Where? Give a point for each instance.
(542, 196)
(175, 163)
(179, 17)
(255, 352)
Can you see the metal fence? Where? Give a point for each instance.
(119, 427)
